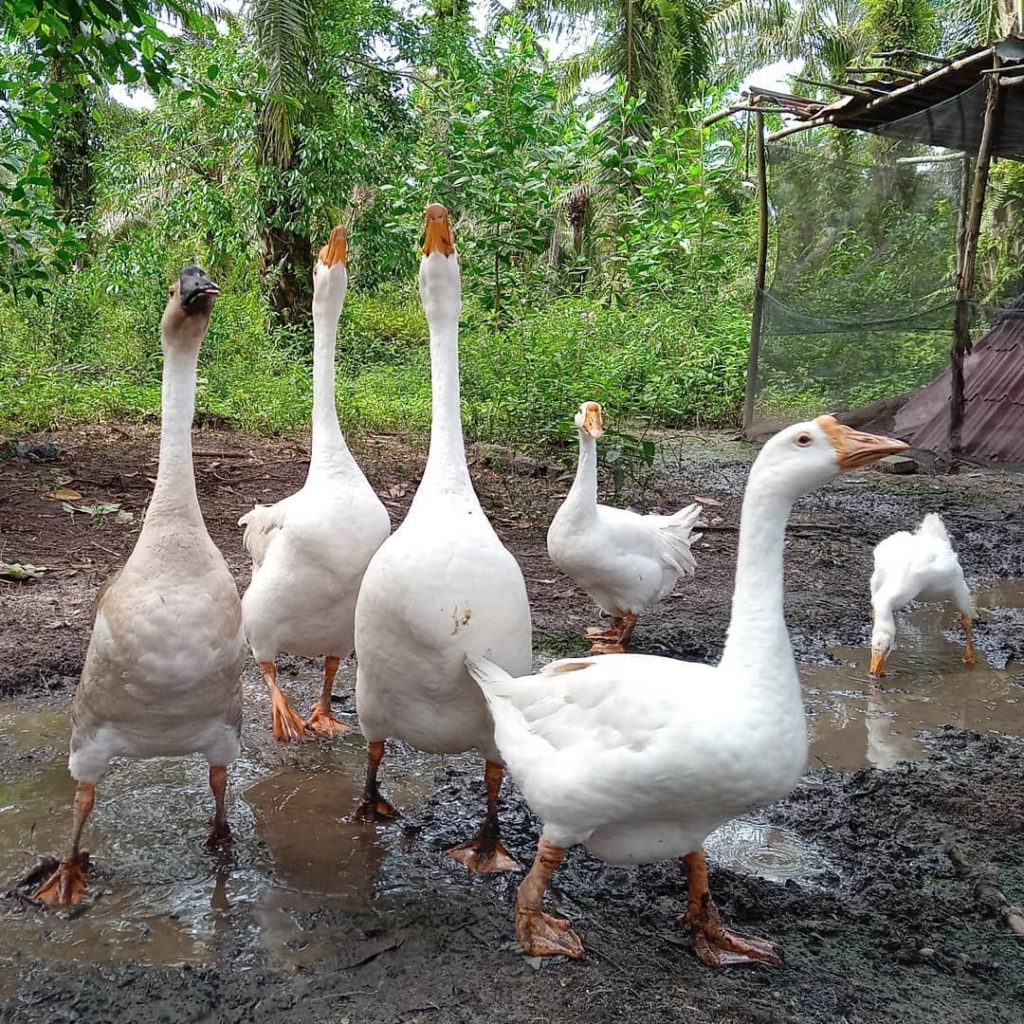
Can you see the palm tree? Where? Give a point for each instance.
(285, 36)
(661, 48)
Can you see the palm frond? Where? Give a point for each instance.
(285, 36)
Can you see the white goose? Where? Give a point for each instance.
(310, 550)
(625, 561)
(641, 758)
(441, 586)
(915, 565)
(162, 676)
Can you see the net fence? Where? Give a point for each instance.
(861, 299)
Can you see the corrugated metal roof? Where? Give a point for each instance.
(993, 426)
(942, 107)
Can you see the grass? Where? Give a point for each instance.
(86, 355)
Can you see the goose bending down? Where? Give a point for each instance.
(162, 675)
(640, 758)
(914, 565)
(625, 561)
(310, 550)
(441, 586)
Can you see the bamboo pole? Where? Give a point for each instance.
(966, 261)
(762, 266)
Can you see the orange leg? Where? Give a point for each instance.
(485, 852)
(220, 833)
(616, 641)
(541, 934)
(67, 884)
(713, 943)
(286, 724)
(613, 632)
(321, 719)
(965, 621)
(373, 807)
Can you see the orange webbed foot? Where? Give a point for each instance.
(219, 837)
(482, 858)
(597, 633)
(607, 647)
(66, 886)
(325, 723)
(375, 810)
(541, 934)
(285, 722)
(717, 946)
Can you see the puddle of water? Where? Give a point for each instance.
(158, 896)
(753, 847)
(856, 721)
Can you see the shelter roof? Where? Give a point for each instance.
(941, 105)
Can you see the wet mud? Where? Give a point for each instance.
(889, 875)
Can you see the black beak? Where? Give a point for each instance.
(196, 291)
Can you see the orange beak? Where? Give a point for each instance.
(592, 422)
(439, 231)
(336, 249)
(877, 664)
(855, 449)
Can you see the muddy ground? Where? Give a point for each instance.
(905, 924)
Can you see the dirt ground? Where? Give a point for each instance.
(907, 925)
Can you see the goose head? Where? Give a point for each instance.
(806, 455)
(883, 640)
(190, 299)
(588, 419)
(440, 283)
(330, 274)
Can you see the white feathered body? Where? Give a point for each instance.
(625, 561)
(640, 758)
(310, 551)
(441, 587)
(920, 565)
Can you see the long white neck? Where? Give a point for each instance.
(757, 643)
(582, 497)
(446, 468)
(330, 452)
(175, 490)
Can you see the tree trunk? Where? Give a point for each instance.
(71, 147)
(287, 252)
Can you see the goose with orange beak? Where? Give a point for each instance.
(441, 587)
(640, 758)
(310, 550)
(626, 562)
(916, 566)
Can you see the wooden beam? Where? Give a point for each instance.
(738, 109)
(843, 90)
(884, 69)
(917, 54)
(966, 262)
(761, 272)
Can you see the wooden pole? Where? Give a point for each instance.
(966, 261)
(762, 266)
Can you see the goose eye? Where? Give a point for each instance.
(803, 440)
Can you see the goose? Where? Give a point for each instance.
(310, 550)
(440, 586)
(626, 562)
(640, 757)
(162, 674)
(921, 565)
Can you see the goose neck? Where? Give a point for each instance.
(329, 450)
(583, 493)
(446, 462)
(175, 491)
(758, 640)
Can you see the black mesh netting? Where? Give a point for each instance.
(861, 301)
